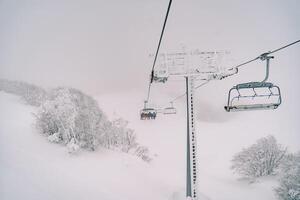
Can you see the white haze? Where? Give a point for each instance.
(101, 46)
(104, 47)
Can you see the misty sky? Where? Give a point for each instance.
(102, 46)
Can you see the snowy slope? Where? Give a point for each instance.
(217, 143)
(32, 168)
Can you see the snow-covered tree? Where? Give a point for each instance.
(91, 123)
(31, 94)
(289, 188)
(260, 159)
(69, 116)
(143, 153)
(120, 136)
(72, 118)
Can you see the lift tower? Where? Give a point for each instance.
(191, 156)
(194, 65)
(207, 70)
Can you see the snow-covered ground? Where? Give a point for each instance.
(32, 168)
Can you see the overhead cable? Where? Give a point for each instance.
(262, 56)
(157, 50)
(182, 95)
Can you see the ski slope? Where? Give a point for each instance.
(32, 168)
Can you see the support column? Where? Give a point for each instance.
(191, 173)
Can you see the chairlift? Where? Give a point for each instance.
(262, 95)
(148, 113)
(170, 110)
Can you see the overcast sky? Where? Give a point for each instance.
(101, 46)
(104, 46)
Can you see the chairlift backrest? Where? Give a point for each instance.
(254, 85)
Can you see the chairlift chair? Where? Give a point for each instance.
(170, 110)
(262, 95)
(148, 113)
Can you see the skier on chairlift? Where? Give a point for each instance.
(154, 115)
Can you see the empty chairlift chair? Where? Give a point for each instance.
(170, 110)
(254, 95)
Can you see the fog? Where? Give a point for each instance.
(104, 46)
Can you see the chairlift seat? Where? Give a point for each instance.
(169, 110)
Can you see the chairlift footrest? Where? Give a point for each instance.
(251, 107)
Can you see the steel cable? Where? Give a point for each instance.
(157, 50)
(264, 55)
